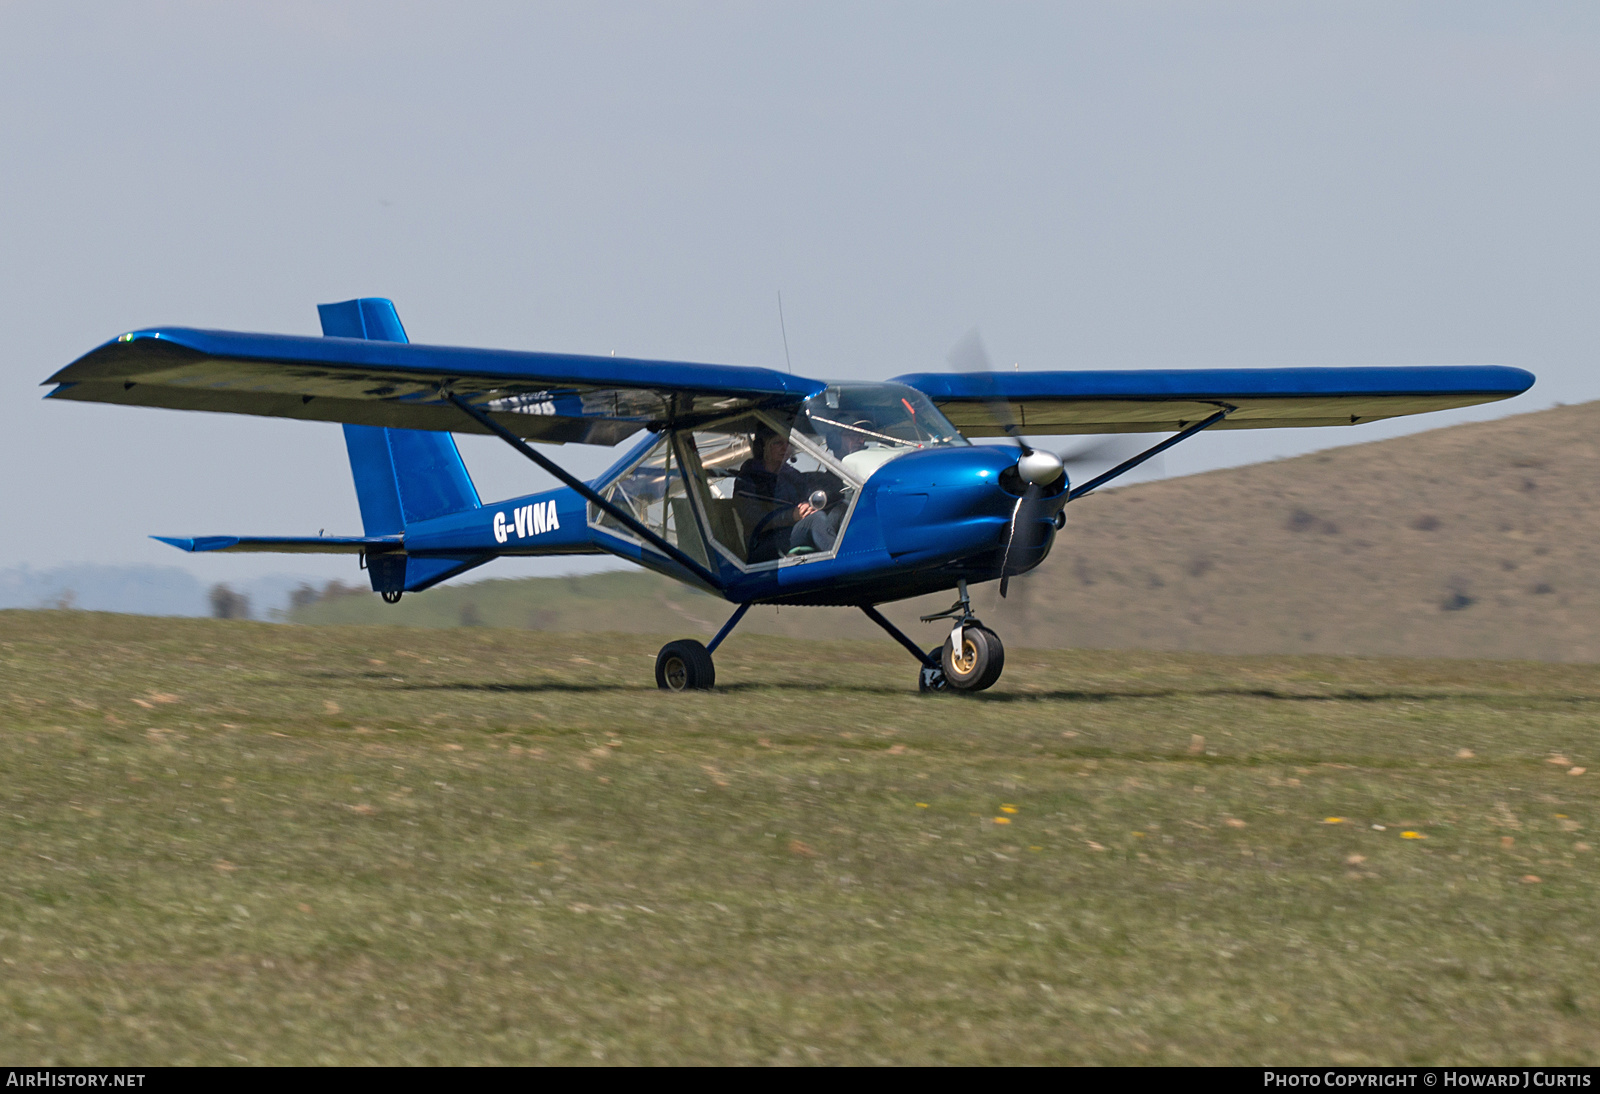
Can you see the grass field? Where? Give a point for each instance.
(234, 842)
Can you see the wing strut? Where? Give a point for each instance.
(1128, 465)
(584, 490)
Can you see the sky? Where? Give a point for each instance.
(1090, 185)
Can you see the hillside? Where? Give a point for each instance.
(1471, 541)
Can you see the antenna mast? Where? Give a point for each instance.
(785, 331)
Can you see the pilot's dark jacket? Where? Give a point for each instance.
(766, 502)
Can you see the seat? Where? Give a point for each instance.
(726, 527)
(687, 532)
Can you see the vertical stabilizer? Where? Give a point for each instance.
(402, 475)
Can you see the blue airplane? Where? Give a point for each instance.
(755, 485)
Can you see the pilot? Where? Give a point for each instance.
(772, 502)
(852, 439)
(858, 459)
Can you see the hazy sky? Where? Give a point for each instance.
(1107, 185)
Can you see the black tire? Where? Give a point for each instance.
(980, 663)
(997, 661)
(932, 679)
(685, 665)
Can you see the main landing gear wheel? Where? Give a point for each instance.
(392, 598)
(684, 665)
(932, 679)
(979, 661)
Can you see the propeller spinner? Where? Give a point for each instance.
(1039, 468)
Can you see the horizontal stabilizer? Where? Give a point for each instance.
(294, 545)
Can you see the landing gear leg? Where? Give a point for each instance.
(932, 677)
(973, 656)
(685, 665)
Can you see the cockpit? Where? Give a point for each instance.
(867, 425)
(771, 487)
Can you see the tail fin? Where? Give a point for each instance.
(402, 475)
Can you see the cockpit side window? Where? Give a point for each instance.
(773, 487)
(656, 491)
(770, 493)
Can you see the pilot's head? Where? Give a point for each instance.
(771, 448)
(850, 440)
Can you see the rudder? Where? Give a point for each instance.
(401, 475)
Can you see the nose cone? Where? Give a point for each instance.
(1039, 468)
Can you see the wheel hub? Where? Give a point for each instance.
(967, 659)
(677, 673)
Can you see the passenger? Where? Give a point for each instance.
(772, 503)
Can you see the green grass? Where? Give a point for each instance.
(615, 600)
(231, 842)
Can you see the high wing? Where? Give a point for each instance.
(539, 396)
(1159, 401)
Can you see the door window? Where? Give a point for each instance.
(770, 495)
(654, 491)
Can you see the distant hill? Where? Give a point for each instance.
(138, 590)
(632, 601)
(1477, 540)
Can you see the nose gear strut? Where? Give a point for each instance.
(970, 659)
(973, 656)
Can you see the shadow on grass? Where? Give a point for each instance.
(1072, 695)
(1090, 696)
(601, 689)
(534, 689)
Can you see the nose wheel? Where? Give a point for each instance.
(971, 659)
(978, 661)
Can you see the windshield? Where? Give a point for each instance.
(884, 420)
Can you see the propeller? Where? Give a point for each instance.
(1107, 452)
(1036, 467)
(970, 356)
